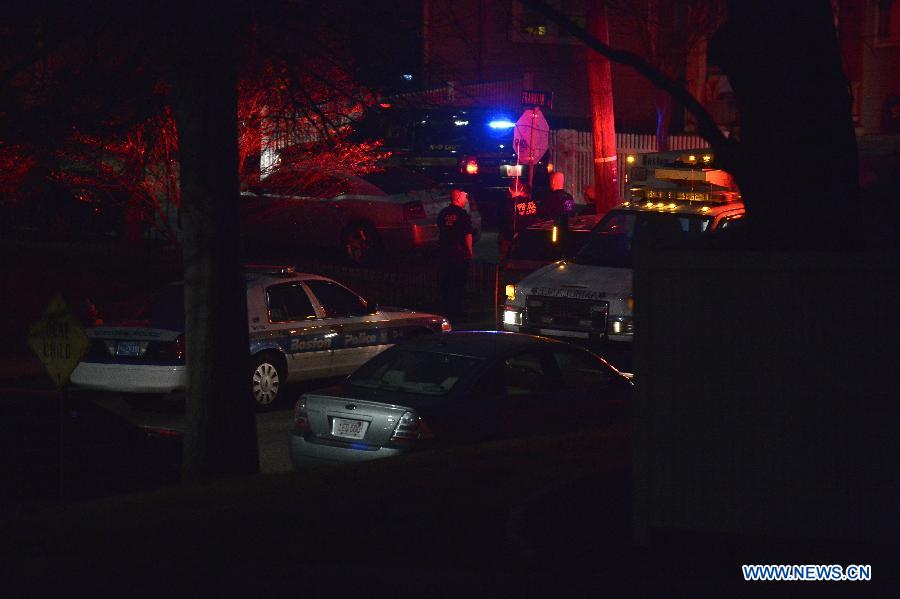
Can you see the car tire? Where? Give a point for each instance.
(267, 380)
(360, 243)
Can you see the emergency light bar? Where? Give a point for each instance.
(501, 124)
(690, 196)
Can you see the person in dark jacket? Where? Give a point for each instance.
(455, 227)
(517, 211)
(558, 202)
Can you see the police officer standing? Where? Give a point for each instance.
(559, 202)
(517, 211)
(455, 228)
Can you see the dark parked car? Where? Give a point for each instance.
(454, 388)
(102, 453)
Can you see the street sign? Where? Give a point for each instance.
(58, 341)
(531, 137)
(537, 99)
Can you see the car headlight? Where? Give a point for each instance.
(510, 291)
(621, 326)
(512, 316)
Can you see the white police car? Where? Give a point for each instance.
(302, 326)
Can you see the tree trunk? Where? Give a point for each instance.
(220, 436)
(606, 182)
(798, 147)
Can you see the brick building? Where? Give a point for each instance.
(481, 41)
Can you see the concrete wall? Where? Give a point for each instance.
(767, 392)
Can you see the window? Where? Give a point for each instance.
(614, 236)
(413, 372)
(289, 302)
(399, 180)
(580, 370)
(887, 23)
(316, 184)
(529, 26)
(730, 221)
(524, 374)
(337, 301)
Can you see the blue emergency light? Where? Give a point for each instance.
(501, 124)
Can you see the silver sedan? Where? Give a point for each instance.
(454, 388)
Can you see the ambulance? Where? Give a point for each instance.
(588, 297)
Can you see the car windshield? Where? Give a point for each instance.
(165, 304)
(316, 184)
(407, 371)
(612, 240)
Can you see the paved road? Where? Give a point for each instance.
(272, 427)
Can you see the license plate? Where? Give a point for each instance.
(128, 348)
(349, 429)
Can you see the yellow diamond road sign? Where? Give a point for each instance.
(58, 340)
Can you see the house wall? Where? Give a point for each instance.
(880, 80)
(458, 49)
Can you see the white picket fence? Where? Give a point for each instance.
(572, 153)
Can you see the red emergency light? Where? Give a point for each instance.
(470, 166)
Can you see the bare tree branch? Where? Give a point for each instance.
(724, 148)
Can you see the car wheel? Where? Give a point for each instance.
(360, 243)
(267, 380)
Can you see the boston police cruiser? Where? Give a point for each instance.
(589, 297)
(302, 326)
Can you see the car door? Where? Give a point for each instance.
(359, 334)
(526, 388)
(592, 392)
(274, 216)
(296, 328)
(324, 209)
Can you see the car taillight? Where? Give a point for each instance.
(155, 431)
(411, 429)
(414, 210)
(172, 350)
(301, 418)
(469, 165)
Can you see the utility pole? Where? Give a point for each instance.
(606, 181)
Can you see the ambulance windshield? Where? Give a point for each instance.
(614, 237)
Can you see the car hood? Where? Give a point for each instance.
(394, 312)
(568, 279)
